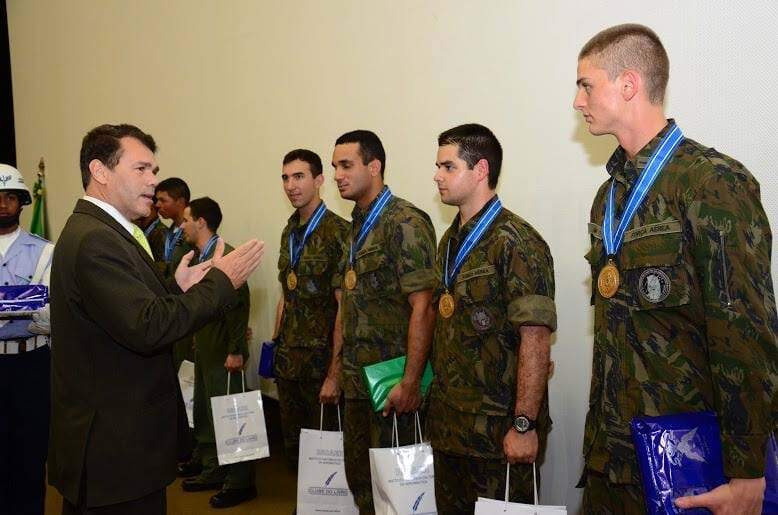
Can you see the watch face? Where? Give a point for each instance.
(521, 424)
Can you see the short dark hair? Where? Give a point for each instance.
(635, 46)
(175, 187)
(476, 142)
(370, 146)
(306, 156)
(104, 144)
(207, 209)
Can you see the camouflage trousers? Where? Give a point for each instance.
(299, 405)
(461, 480)
(363, 428)
(601, 497)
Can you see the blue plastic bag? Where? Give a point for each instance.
(679, 455)
(770, 505)
(267, 359)
(16, 300)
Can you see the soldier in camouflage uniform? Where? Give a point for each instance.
(172, 198)
(692, 324)
(305, 317)
(220, 349)
(386, 308)
(489, 401)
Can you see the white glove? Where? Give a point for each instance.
(41, 323)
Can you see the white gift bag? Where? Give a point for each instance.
(321, 472)
(494, 507)
(403, 477)
(239, 425)
(186, 380)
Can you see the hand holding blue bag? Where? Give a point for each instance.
(679, 455)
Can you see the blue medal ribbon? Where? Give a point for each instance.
(208, 247)
(469, 243)
(659, 158)
(370, 221)
(296, 248)
(171, 240)
(148, 230)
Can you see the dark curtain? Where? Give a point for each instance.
(7, 134)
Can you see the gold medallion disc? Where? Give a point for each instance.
(351, 279)
(446, 305)
(608, 281)
(291, 280)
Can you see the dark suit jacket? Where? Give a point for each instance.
(116, 404)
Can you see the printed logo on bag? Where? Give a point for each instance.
(240, 431)
(417, 504)
(481, 319)
(327, 490)
(685, 447)
(654, 285)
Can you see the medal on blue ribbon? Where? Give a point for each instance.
(171, 240)
(296, 248)
(372, 217)
(446, 304)
(609, 279)
(208, 247)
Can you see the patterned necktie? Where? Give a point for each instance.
(137, 233)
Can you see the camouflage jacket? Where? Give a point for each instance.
(305, 336)
(396, 259)
(156, 238)
(506, 282)
(181, 248)
(692, 326)
(226, 334)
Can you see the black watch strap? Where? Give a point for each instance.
(522, 423)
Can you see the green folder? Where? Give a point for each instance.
(381, 377)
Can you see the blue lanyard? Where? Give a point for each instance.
(208, 247)
(370, 221)
(171, 241)
(659, 158)
(148, 230)
(469, 243)
(295, 248)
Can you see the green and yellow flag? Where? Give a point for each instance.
(40, 219)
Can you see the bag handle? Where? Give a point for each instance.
(321, 419)
(508, 482)
(242, 381)
(417, 434)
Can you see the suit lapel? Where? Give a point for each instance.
(88, 208)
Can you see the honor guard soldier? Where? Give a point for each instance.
(490, 352)
(684, 308)
(220, 349)
(385, 309)
(24, 358)
(308, 268)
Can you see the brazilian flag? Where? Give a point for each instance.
(40, 219)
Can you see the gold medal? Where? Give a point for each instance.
(608, 280)
(291, 280)
(446, 305)
(351, 279)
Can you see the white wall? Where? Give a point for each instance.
(227, 88)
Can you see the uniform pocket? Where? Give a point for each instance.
(375, 275)
(311, 282)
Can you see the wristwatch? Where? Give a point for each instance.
(523, 424)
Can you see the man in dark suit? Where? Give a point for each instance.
(117, 412)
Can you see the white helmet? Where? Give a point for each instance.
(12, 180)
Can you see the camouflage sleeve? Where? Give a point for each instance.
(731, 248)
(529, 281)
(237, 320)
(339, 252)
(283, 253)
(414, 243)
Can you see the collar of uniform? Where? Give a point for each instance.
(294, 220)
(625, 170)
(462, 232)
(358, 215)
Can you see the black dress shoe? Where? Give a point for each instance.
(189, 469)
(232, 497)
(194, 484)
